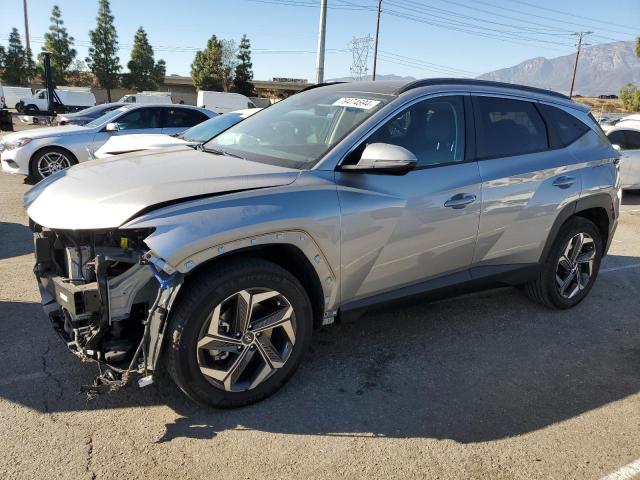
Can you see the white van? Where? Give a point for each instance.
(147, 97)
(76, 98)
(12, 95)
(223, 102)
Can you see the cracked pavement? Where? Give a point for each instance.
(484, 386)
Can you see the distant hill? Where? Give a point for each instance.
(602, 70)
(368, 77)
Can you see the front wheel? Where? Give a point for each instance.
(571, 268)
(238, 332)
(49, 161)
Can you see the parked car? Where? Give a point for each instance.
(14, 94)
(41, 152)
(223, 102)
(627, 140)
(75, 98)
(336, 200)
(147, 98)
(194, 136)
(87, 115)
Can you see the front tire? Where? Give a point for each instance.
(571, 267)
(238, 332)
(48, 161)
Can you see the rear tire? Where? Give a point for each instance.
(216, 360)
(571, 267)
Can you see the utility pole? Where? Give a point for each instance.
(375, 41)
(321, 41)
(579, 46)
(26, 32)
(26, 25)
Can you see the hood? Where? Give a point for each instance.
(46, 132)
(132, 143)
(105, 193)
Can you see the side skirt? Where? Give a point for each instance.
(446, 286)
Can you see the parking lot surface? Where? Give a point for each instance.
(487, 385)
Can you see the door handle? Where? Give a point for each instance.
(564, 182)
(460, 200)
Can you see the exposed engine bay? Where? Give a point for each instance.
(106, 296)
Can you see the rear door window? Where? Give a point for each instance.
(182, 117)
(140, 118)
(564, 128)
(506, 127)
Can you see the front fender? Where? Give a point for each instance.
(304, 214)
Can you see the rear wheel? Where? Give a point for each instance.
(571, 268)
(49, 161)
(238, 333)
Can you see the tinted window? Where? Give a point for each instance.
(140, 118)
(182, 117)
(508, 127)
(564, 127)
(627, 139)
(433, 130)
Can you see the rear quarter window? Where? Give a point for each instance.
(564, 128)
(506, 127)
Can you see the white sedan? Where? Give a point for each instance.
(43, 151)
(197, 135)
(626, 138)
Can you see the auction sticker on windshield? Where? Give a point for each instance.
(362, 103)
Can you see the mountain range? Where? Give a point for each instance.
(602, 69)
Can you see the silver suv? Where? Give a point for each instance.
(217, 263)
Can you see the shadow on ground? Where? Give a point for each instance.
(17, 240)
(476, 368)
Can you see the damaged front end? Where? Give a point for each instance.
(108, 297)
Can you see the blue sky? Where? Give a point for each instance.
(421, 38)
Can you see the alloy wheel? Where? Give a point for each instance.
(574, 270)
(247, 338)
(52, 162)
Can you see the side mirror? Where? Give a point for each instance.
(384, 157)
(616, 147)
(112, 127)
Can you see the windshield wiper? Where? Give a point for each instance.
(222, 152)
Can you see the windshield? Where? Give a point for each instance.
(106, 118)
(205, 131)
(298, 131)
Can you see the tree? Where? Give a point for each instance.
(229, 62)
(206, 69)
(630, 97)
(144, 72)
(59, 43)
(102, 59)
(243, 74)
(18, 64)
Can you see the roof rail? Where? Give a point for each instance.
(480, 83)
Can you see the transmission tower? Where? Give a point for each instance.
(360, 50)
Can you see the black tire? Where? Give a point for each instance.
(199, 297)
(34, 172)
(29, 109)
(544, 289)
(18, 107)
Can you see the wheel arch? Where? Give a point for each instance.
(288, 256)
(598, 208)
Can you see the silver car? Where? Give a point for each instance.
(221, 261)
(41, 152)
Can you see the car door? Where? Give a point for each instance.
(142, 120)
(525, 182)
(178, 119)
(629, 143)
(403, 230)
